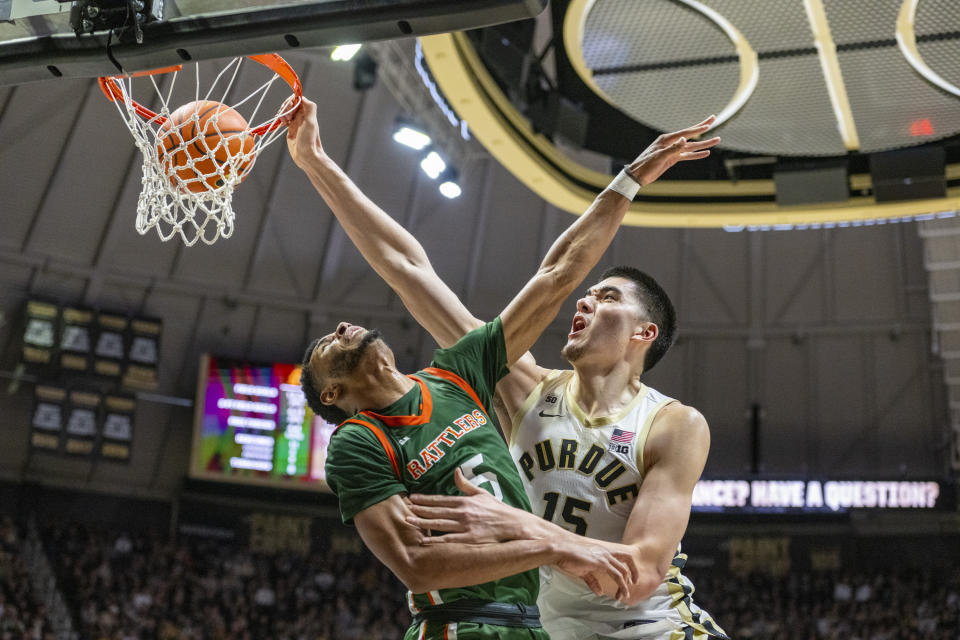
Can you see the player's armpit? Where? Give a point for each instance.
(513, 390)
(674, 457)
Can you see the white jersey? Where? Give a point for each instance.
(585, 474)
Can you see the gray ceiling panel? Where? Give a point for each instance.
(902, 393)
(226, 327)
(716, 276)
(621, 33)
(79, 205)
(729, 446)
(37, 122)
(857, 22)
(936, 16)
(794, 296)
(507, 258)
(277, 334)
(786, 408)
(842, 411)
(886, 105)
(861, 280)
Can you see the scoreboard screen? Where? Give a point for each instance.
(253, 426)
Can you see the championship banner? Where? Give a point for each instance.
(116, 434)
(110, 348)
(819, 496)
(46, 423)
(40, 333)
(143, 354)
(76, 339)
(81, 427)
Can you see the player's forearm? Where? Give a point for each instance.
(384, 243)
(393, 252)
(454, 565)
(567, 263)
(579, 248)
(649, 574)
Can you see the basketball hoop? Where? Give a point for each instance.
(188, 181)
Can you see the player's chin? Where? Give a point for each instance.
(572, 351)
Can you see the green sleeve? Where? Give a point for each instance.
(479, 357)
(359, 471)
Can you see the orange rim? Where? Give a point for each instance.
(110, 88)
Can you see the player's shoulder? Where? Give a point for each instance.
(351, 434)
(679, 422)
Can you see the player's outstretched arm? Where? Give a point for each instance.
(392, 251)
(385, 530)
(578, 249)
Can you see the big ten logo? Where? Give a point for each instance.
(826, 559)
(345, 544)
(762, 555)
(271, 533)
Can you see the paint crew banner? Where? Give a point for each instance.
(820, 496)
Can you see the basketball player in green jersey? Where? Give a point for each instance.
(403, 434)
(676, 446)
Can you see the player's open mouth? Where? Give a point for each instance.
(579, 324)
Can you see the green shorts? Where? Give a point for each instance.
(472, 631)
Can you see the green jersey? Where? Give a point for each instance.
(415, 444)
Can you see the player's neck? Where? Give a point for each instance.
(602, 391)
(382, 386)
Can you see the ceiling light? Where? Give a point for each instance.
(450, 189)
(411, 137)
(433, 165)
(345, 52)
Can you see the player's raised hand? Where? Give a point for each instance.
(592, 563)
(671, 148)
(473, 518)
(303, 131)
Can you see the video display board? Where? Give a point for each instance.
(253, 426)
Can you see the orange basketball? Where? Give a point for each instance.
(217, 134)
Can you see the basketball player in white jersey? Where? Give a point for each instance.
(600, 453)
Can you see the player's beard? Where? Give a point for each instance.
(346, 362)
(573, 352)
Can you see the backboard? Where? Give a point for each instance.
(38, 38)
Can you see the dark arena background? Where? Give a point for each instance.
(161, 475)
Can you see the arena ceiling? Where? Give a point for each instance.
(807, 83)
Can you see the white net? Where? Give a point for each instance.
(197, 152)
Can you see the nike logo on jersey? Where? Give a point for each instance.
(550, 415)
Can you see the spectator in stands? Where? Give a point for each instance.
(22, 616)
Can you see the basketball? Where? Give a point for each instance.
(197, 143)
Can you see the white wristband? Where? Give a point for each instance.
(625, 185)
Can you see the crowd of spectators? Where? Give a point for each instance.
(132, 587)
(893, 605)
(22, 617)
